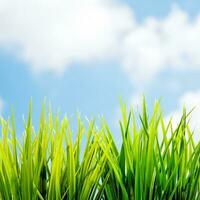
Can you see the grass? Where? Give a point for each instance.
(155, 160)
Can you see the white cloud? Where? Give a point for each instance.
(157, 44)
(1, 105)
(52, 35)
(189, 100)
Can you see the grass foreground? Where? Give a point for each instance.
(154, 161)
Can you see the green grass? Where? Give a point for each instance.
(155, 160)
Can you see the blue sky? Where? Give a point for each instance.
(84, 56)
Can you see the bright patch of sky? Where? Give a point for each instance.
(83, 55)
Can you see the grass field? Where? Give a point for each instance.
(155, 160)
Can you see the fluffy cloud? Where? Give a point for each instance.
(189, 100)
(172, 42)
(52, 35)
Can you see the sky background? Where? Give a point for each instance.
(83, 55)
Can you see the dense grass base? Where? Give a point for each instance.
(155, 161)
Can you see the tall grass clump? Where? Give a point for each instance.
(155, 160)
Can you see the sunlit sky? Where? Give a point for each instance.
(83, 55)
